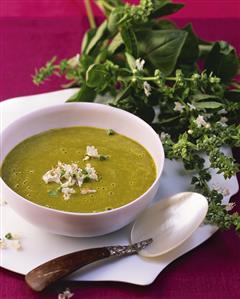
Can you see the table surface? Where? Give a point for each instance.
(211, 270)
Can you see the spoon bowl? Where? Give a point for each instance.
(169, 222)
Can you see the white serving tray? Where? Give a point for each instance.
(40, 246)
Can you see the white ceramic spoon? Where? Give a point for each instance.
(161, 228)
(169, 222)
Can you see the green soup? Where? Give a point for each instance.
(128, 171)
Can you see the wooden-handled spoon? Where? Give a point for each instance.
(46, 274)
(169, 223)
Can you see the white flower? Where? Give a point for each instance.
(223, 121)
(191, 106)
(178, 107)
(67, 192)
(201, 122)
(87, 191)
(91, 172)
(92, 152)
(74, 61)
(163, 136)
(190, 132)
(139, 64)
(147, 88)
(65, 294)
(230, 206)
(222, 111)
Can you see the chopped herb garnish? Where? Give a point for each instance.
(9, 236)
(110, 132)
(103, 157)
(63, 172)
(53, 193)
(86, 179)
(84, 171)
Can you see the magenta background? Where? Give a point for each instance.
(31, 32)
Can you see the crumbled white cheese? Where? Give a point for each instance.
(51, 176)
(178, 107)
(91, 172)
(147, 88)
(65, 294)
(67, 192)
(92, 152)
(87, 191)
(69, 183)
(3, 244)
(139, 64)
(69, 175)
(16, 244)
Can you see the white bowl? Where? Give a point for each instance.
(81, 114)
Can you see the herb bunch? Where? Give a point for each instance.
(144, 64)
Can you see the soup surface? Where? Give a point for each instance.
(126, 173)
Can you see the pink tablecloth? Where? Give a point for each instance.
(212, 271)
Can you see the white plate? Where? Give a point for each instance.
(39, 246)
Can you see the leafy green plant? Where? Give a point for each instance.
(149, 67)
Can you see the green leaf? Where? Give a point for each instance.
(115, 43)
(200, 97)
(97, 37)
(131, 61)
(97, 76)
(85, 94)
(87, 38)
(164, 8)
(190, 50)
(114, 18)
(207, 105)
(53, 193)
(222, 61)
(130, 40)
(161, 48)
(123, 93)
(166, 120)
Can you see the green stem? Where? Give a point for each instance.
(90, 14)
(105, 5)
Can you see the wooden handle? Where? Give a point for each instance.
(44, 275)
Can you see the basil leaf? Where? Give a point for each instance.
(164, 8)
(87, 38)
(115, 43)
(123, 93)
(200, 97)
(114, 18)
(161, 47)
(222, 61)
(207, 105)
(190, 50)
(131, 61)
(85, 94)
(130, 40)
(98, 35)
(97, 76)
